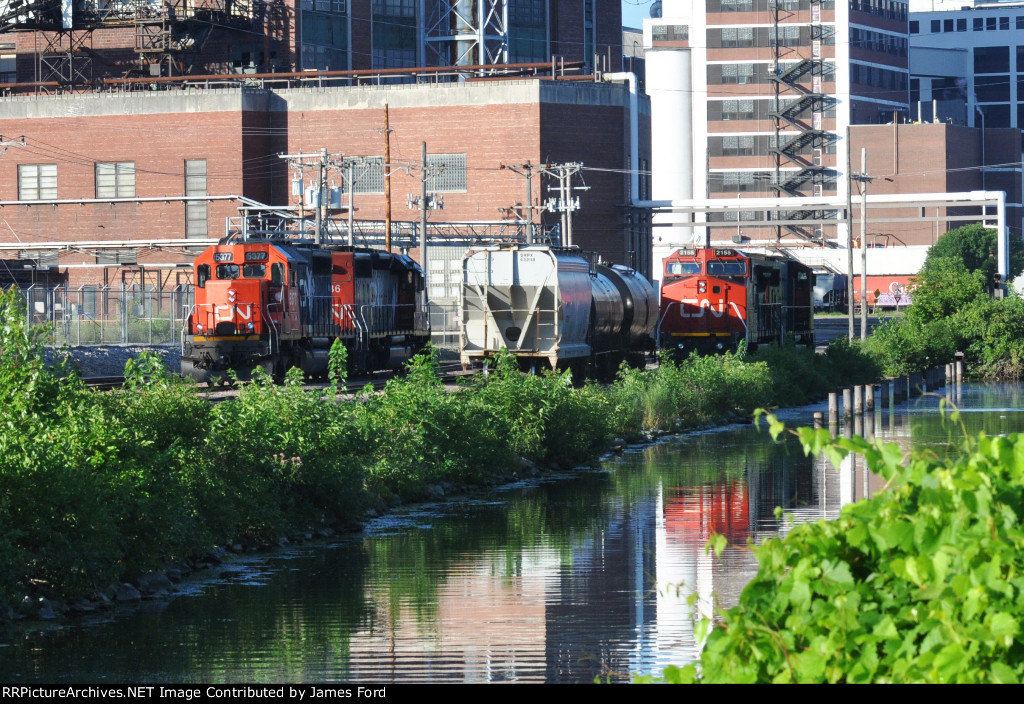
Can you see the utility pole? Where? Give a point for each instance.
(425, 203)
(849, 235)
(387, 180)
(423, 221)
(863, 179)
(565, 203)
(351, 186)
(321, 162)
(321, 206)
(527, 169)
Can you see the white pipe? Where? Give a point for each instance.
(634, 132)
(824, 202)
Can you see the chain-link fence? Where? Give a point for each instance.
(101, 315)
(143, 315)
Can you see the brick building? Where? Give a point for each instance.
(936, 158)
(770, 88)
(117, 167)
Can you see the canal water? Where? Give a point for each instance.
(594, 574)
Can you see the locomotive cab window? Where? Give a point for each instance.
(277, 274)
(720, 268)
(227, 271)
(683, 268)
(254, 271)
(202, 275)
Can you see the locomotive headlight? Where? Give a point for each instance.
(231, 295)
(199, 328)
(702, 287)
(250, 326)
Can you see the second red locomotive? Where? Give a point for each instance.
(278, 303)
(712, 299)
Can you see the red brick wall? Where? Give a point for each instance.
(242, 147)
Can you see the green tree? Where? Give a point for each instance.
(976, 247)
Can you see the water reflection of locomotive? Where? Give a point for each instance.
(555, 307)
(713, 299)
(278, 303)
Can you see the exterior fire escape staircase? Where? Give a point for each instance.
(798, 108)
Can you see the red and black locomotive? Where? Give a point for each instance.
(713, 299)
(278, 303)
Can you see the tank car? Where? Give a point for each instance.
(553, 306)
(280, 303)
(714, 299)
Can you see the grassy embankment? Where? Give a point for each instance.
(97, 488)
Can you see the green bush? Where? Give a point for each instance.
(921, 583)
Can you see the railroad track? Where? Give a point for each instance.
(103, 383)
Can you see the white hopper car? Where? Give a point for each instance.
(555, 307)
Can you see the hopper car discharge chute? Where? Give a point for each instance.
(553, 307)
(714, 299)
(278, 304)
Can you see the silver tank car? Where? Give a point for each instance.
(545, 304)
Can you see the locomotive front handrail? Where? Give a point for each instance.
(185, 325)
(275, 336)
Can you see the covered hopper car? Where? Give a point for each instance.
(279, 303)
(554, 306)
(714, 299)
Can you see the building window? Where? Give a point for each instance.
(115, 179)
(37, 182)
(447, 173)
(394, 8)
(1004, 23)
(979, 24)
(670, 33)
(8, 65)
(992, 89)
(915, 27)
(992, 59)
(961, 24)
(196, 221)
(367, 177)
(738, 110)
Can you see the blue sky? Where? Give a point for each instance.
(634, 12)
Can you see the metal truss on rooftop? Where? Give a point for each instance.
(464, 32)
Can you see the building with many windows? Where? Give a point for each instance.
(966, 62)
(768, 89)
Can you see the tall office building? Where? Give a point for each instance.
(966, 62)
(768, 88)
